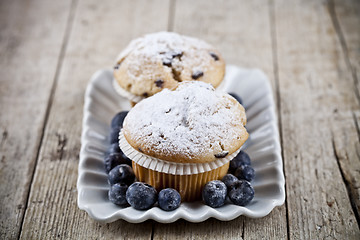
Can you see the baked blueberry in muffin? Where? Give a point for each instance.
(163, 60)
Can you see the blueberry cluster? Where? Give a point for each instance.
(114, 156)
(123, 190)
(235, 185)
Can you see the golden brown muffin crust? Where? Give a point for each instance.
(162, 60)
(192, 124)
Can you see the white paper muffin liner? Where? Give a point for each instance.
(126, 94)
(163, 166)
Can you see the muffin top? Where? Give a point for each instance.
(162, 60)
(192, 124)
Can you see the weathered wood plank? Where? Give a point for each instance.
(210, 229)
(242, 32)
(99, 32)
(31, 37)
(346, 20)
(317, 99)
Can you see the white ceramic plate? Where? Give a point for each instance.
(102, 103)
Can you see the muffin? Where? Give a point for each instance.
(183, 138)
(162, 60)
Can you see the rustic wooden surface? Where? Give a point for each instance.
(310, 51)
(30, 53)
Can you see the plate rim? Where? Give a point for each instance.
(176, 215)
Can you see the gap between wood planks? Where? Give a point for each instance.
(346, 182)
(278, 99)
(339, 33)
(68, 28)
(344, 48)
(356, 125)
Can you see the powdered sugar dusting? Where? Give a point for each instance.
(158, 47)
(193, 120)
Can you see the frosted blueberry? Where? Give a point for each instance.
(121, 174)
(214, 193)
(113, 149)
(229, 179)
(245, 172)
(169, 199)
(241, 159)
(115, 159)
(114, 135)
(141, 196)
(241, 193)
(117, 194)
(118, 119)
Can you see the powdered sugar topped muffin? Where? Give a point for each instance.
(184, 138)
(162, 60)
(193, 123)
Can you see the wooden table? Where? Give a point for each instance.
(310, 50)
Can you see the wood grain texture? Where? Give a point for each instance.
(210, 229)
(98, 34)
(29, 50)
(346, 20)
(308, 49)
(317, 100)
(241, 31)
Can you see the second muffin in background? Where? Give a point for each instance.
(162, 60)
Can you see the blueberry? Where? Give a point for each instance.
(221, 154)
(169, 199)
(141, 196)
(115, 159)
(113, 149)
(241, 193)
(117, 66)
(197, 74)
(117, 194)
(214, 56)
(125, 158)
(114, 135)
(245, 172)
(241, 159)
(121, 174)
(237, 97)
(176, 53)
(229, 179)
(214, 193)
(159, 83)
(167, 62)
(118, 119)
